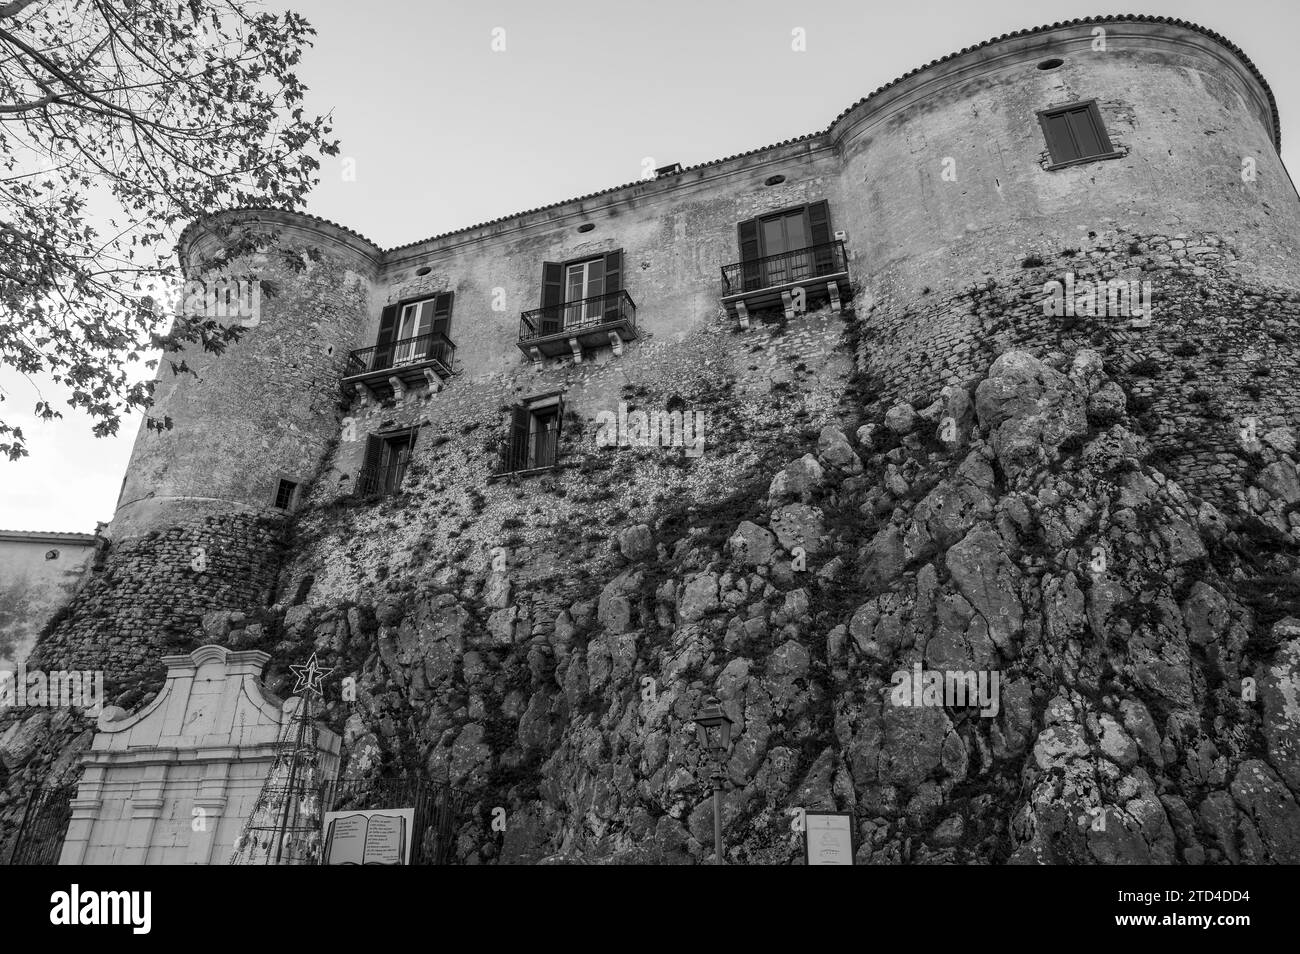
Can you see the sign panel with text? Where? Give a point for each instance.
(372, 837)
(828, 838)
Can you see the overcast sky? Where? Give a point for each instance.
(444, 132)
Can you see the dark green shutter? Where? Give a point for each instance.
(383, 355)
(819, 234)
(552, 297)
(749, 253)
(613, 283)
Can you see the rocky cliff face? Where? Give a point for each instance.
(1133, 654)
(1141, 662)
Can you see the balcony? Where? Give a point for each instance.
(822, 271)
(527, 454)
(383, 480)
(578, 326)
(394, 368)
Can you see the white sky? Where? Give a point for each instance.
(445, 132)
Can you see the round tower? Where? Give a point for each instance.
(1099, 158)
(199, 523)
(259, 417)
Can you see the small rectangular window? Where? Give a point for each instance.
(534, 439)
(284, 494)
(1075, 133)
(387, 457)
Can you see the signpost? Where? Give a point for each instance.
(828, 838)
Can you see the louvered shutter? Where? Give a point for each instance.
(819, 235)
(517, 445)
(613, 283)
(442, 313)
(749, 254)
(552, 298)
(383, 353)
(366, 480)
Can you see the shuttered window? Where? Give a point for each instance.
(581, 291)
(1075, 133)
(534, 439)
(405, 329)
(787, 246)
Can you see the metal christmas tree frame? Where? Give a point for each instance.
(284, 827)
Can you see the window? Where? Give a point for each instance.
(284, 492)
(387, 457)
(51, 554)
(1075, 133)
(792, 245)
(581, 293)
(534, 439)
(408, 331)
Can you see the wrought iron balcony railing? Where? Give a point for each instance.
(787, 268)
(422, 349)
(381, 480)
(530, 451)
(578, 316)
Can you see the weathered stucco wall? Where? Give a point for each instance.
(34, 585)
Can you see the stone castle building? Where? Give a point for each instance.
(400, 466)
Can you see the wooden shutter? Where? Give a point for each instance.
(383, 354)
(1060, 143)
(552, 297)
(442, 313)
(613, 283)
(819, 235)
(1089, 134)
(749, 253)
(517, 444)
(370, 466)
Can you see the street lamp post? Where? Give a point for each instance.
(713, 729)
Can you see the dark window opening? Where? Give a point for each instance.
(284, 494)
(1075, 133)
(51, 554)
(534, 439)
(387, 458)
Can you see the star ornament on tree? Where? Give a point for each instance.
(309, 677)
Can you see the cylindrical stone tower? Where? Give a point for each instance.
(198, 526)
(968, 207)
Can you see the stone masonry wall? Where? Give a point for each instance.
(1216, 361)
